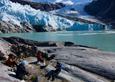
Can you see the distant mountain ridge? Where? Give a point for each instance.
(41, 6)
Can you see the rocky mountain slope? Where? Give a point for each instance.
(103, 10)
(41, 6)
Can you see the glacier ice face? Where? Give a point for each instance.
(69, 2)
(83, 27)
(17, 13)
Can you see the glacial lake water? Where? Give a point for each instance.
(103, 40)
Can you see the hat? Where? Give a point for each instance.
(24, 62)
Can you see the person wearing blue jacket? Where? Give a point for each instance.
(21, 70)
(54, 73)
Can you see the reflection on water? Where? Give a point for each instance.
(103, 40)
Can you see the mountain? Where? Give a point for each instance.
(41, 6)
(103, 10)
(75, 11)
(70, 9)
(15, 17)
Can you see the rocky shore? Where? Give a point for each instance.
(82, 63)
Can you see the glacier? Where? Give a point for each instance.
(67, 2)
(83, 27)
(17, 13)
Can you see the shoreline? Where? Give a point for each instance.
(97, 39)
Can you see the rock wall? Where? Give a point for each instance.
(103, 10)
(8, 27)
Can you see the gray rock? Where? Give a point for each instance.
(88, 64)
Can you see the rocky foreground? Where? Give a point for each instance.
(82, 63)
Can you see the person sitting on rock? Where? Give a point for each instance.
(11, 61)
(41, 60)
(39, 56)
(21, 70)
(54, 73)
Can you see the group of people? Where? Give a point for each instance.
(19, 67)
(41, 58)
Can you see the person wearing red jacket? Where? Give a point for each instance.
(39, 57)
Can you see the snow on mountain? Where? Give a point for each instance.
(76, 10)
(16, 14)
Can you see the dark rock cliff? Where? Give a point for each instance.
(103, 10)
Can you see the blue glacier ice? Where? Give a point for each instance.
(69, 2)
(83, 27)
(17, 13)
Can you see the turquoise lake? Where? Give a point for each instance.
(103, 40)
